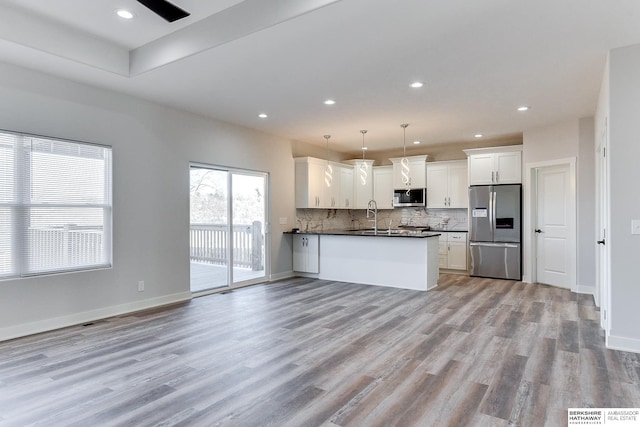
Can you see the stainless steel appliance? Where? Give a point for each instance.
(411, 197)
(495, 231)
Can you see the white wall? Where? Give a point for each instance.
(152, 147)
(571, 139)
(586, 204)
(624, 173)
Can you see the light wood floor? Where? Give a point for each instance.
(303, 352)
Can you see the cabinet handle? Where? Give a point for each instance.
(493, 174)
(497, 176)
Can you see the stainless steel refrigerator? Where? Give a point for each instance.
(495, 231)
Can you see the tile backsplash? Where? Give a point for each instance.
(318, 220)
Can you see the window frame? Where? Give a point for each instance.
(20, 207)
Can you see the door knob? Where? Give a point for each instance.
(537, 230)
(601, 242)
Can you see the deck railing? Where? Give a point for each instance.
(209, 244)
(65, 246)
(73, 245)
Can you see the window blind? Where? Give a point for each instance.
(55, 205)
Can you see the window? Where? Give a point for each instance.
(55, 205)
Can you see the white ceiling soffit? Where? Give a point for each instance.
(230, 24)
(242, 19)
(29, 30)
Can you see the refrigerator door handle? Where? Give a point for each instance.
(491, 195)
(493, 210)
(494, 245)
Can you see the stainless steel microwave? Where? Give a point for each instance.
(411, 197)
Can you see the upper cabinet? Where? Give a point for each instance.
(495, 165)
(312, 190)
(345, 201)
(447, 184)
(309, 182)
(417, 172)
(383, 186)
(362, 183)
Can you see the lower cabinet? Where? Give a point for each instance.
(452, 251)
(306, 253)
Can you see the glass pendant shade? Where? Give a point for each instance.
(328, 170)
(363, 171)
(406, 178)
(405, 170)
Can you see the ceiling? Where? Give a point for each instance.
(233, 59)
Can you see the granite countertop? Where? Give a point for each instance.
(394, 232)
(449, 230)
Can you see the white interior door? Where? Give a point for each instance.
(555, 226)
(602, 259)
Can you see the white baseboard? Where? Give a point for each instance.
(623, 344)
(586, 290)
(280, 276)
(88, 316)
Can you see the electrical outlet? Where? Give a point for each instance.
(140, 285)
(283, 220)
(635, 226)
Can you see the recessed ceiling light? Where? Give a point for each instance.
(416, 142)
(417, 84)
(329, 102)
(478, 135)
(124, 14)
(262, 115)
(523, 108)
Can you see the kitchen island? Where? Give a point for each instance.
(394, 258)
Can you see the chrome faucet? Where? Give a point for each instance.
(372, 208)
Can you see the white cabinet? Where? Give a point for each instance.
(496, 165)
(452, 251)
(345, 200)
(508, 167)
(331, 196)
(362, 193)
(309, 183)
(383, 186)
(311, 190)
(447, 184)
(417, 172)
(306, 253)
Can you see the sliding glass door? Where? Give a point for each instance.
(227, 227)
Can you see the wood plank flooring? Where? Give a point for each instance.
(304, 352)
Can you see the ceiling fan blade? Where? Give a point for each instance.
(166, 10)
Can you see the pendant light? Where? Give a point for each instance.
(363, 172)
(328, 170)
(406, 179)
